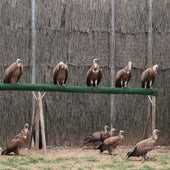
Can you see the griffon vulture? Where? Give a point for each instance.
(13, 72)
(94, 74)
(148, 77)
(144, 146)
(97, 136)
(17, 143)
(60, 74)
(123, 76)
(112, 142)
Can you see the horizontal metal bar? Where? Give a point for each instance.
(78, 89)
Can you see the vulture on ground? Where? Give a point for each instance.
(97, 136)
(123, 76)
(17, 143)
(13, 72)
(112, 142)
(148, 77)
(142, 147)
(94, 74)
(60, 74)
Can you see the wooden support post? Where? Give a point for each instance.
(153, 112)
(42, 122)
(37, 127)
(146, 132)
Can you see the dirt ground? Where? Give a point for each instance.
(82, 158)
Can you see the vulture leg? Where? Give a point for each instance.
(122, 83)
(144, 158)
(150, 84)
(125, 83)
(110, 150)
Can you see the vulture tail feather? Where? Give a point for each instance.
(102, 147)
(132, 153)
(90, 139)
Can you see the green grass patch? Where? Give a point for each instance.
(90, 159)
(16, 161)
(62, 160)
(146, 167)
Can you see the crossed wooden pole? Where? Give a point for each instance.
(38, 123)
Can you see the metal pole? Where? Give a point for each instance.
(112, 62)
(149, 43)
(149, 56)
(33, 29)
(33, 75)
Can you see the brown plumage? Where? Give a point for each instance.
(123, 76)
(142, 147)
(94, 74)
(60, 74)
(148, 77)
(13, 72)
(98, 136)
(112, 142)
(17, 143)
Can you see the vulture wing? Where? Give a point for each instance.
(10, 71)
(99, 76)
(88, 80)
(55, 72)
(66, 75)
(145, 146)
(118, 78)
(11, 147)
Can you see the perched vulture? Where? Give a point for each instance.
(123, 76)
(112, 142)
(148, 77)
(17, 143)
(98, 136)
(94, 74)
(60, 74)
(144, 146)
(13, 72)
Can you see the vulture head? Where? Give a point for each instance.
(106, 128)
(130, 65)
(95, 63)
(26, 126)
(155, 133)
(155, 68)
(61, 65)
(18, 61)
(122, 134)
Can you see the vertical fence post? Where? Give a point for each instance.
(112, 61)
(33, 75)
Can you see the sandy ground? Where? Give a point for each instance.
(82, 158)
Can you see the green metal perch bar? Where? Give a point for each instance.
(78, 89)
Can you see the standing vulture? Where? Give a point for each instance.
(13, 72)
(112, 142)
(144, 146)
(98, 136)
(123, 76)
(60, 74)
(94, 74)
(148, 77)
(17, 143)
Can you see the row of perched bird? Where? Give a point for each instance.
(110, 139)
(94, 74)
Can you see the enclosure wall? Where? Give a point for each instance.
(75, 32)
